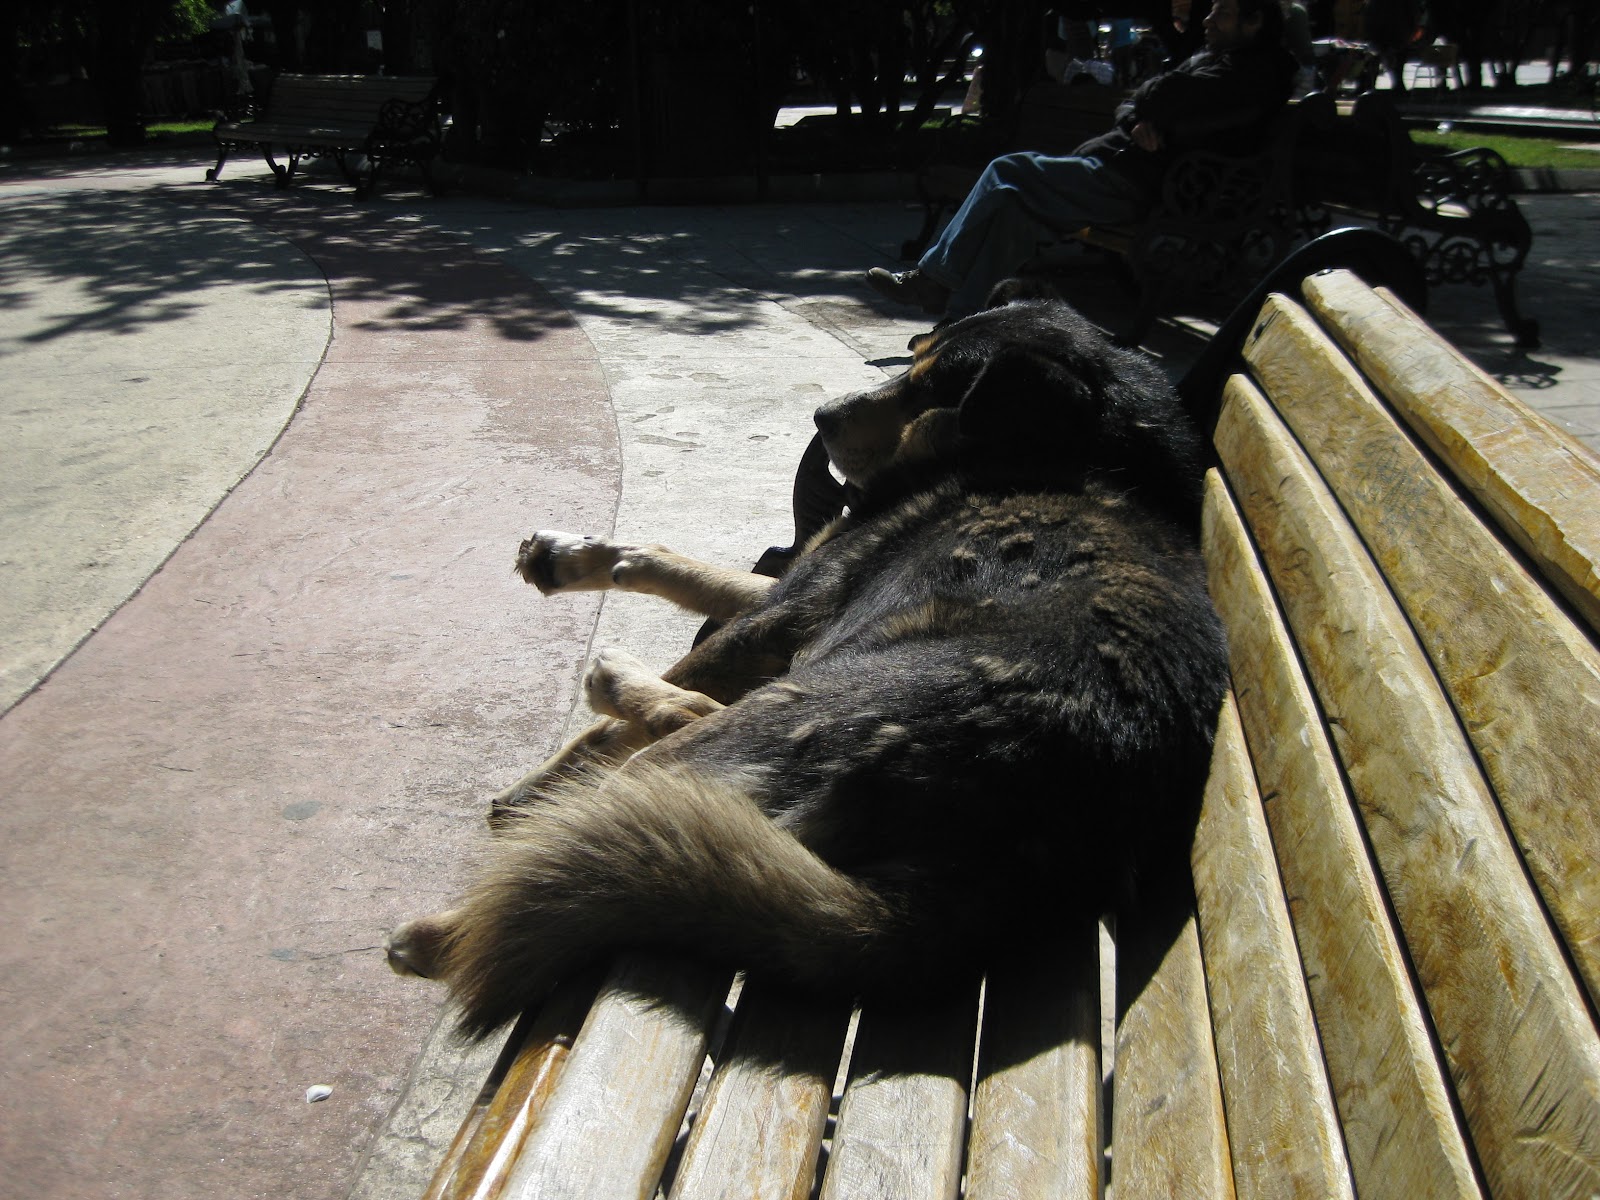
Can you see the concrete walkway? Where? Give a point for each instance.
(308, 670)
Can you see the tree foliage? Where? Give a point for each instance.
(509, 68)
(108, 40)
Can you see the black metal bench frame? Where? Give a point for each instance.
(366, 123)
(1454, 212)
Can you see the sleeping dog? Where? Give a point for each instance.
(985, 694)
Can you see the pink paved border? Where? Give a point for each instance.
(284, 743)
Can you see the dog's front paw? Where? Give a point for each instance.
(567, 562)
(417, 947)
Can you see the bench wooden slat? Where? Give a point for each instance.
(532, 1060)
(1168, 1133)
(301, 133)
(609, 1125)
(759, 1130)
(1538, 480)
(1036, 1125)
(292, 90)
(306, 106)
(902, 1122)
(1283, 1130)
(1522, 1052)
(1493, 633)
(1400, 1129)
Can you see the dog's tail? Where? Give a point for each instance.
(662, 857)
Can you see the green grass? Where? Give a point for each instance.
(1529, 152)
(154, 128)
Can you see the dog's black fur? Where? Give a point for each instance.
(985, 697)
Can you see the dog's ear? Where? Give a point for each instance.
(1019, 288)
(1029, 402)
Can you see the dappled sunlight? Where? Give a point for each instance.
(393, 272)
(130, 262)
(689, 271)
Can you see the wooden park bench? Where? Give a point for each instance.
(1383, 982)
(365, 122)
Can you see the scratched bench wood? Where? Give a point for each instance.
(1384, 980)
(366, 123)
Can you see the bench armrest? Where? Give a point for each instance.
(403, 122)
(1475, 181)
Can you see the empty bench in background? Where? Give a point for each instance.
(1454, 211)
(1384, 981)
(365, 122)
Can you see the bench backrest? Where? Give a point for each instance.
(1057, 118)
(354, 100)
(1398, 869)
(1355, 154)
(1384, 983)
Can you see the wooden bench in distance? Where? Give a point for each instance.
(1455, 212)
(382, 120)
(1384, 983)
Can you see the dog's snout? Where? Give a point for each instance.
(861, 430)
(831, 417)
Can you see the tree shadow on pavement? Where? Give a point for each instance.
(129, 261)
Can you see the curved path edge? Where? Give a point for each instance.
(281, 745)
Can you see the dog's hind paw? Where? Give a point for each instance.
(415, 948)
(610, 676)
(567, 562)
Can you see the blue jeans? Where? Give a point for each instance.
(1019, 201)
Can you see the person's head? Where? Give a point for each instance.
(1234, 23)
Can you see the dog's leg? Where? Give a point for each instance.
(619, 685)
(720, 670)
(601, 746)
(566, 562)
(636, 707)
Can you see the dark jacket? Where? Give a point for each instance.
(1224, 102)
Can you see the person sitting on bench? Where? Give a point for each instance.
(1223, 98)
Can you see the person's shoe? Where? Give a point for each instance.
(909, 287)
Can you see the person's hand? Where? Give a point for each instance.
(1146, 136)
